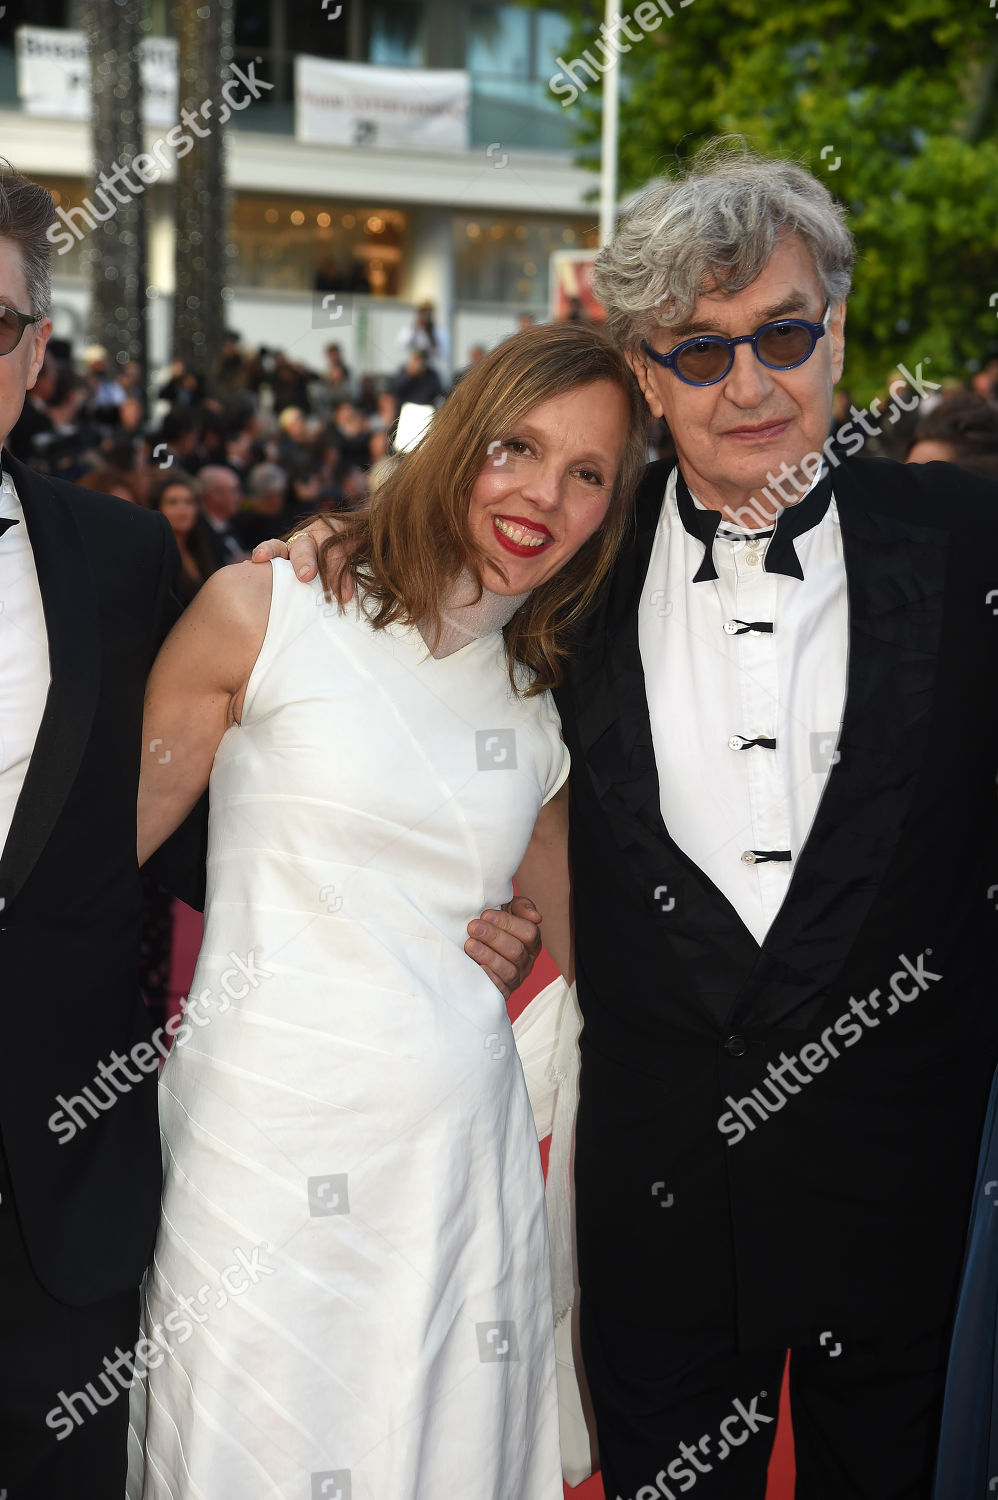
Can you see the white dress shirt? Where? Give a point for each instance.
(711, 685)
(24, 655)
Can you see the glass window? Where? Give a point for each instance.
(315, 244)
(511, 55)
(552, 34)
(395, 34)
(501, 259)
(499, 41)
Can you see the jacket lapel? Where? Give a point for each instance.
(895, 574)
(613, 725)
(69, 600)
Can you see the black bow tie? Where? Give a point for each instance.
(792, 522)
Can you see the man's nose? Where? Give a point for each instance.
(748, 382)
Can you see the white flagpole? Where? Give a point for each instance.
(611, 95)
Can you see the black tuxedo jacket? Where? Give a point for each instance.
(69, 926)
(843, 1208)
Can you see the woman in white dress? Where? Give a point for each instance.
(350, 1293)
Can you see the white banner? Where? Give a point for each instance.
(398, 109)
(53, 75)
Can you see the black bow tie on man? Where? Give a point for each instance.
(781, 555)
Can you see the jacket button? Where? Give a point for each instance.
(736, 1046)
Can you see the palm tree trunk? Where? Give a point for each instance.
(202, 209)
(116, 252)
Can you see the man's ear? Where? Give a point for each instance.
(40, 337)
(837, 333)
(643, 375)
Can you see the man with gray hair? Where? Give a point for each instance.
(784, 849)
(784, 748)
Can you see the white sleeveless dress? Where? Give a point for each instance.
(350, 1295)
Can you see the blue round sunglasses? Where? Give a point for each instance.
(706, 359)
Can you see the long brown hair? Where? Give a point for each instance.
(406, 549)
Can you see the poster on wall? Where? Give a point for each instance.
(572, 292)
(53, 75)
(396, 109)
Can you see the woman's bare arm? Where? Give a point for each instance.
(194, 693)
(544, 877)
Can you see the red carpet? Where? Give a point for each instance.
(186, 939)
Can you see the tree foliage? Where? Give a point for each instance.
(894, 107)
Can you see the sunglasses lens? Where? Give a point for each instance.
(703, 360)
(784, 344)
(10, 329)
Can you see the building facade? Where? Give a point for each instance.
(341, 238)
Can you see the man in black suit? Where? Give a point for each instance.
(785, 856)
(85, 582)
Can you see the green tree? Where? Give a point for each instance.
(894, 107)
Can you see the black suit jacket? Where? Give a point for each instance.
(844, 1209)
(69, 927)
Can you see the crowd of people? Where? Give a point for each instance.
(264, 442)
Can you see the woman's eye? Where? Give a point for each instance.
(516, 445)
(590, 476)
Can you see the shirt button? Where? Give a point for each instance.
(748, 858)
(731, 627)
(752, 561)
(736, 742)
(736, 1046)
(753, 541)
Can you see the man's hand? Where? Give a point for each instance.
(304, 554)
(506, 943)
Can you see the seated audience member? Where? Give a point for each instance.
(418, 381)
(221, 497)
(352, 435)
(178, 440)
(107, 393)
(962, 429)
(176, 495)
(475, 353)
(304, 493)
(182, 387)
(297, 431)
(266, 513)
(230, 373)
(336, 376)
(424, 335)
(35, 421)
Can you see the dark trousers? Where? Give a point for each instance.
(65, 1364)
(678, 1410)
